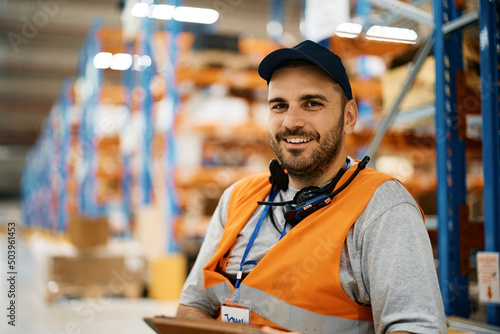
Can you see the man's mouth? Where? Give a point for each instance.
(296, 140)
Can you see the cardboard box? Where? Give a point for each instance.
(92, 276)
(421, 92)
(88, 232)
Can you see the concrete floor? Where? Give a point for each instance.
(68, 316)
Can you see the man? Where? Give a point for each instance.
(352, 255)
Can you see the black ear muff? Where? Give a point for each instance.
(309, 199)
(306, 194)
(278, 175)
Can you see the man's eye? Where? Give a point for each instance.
(279, 106)
(313, 104)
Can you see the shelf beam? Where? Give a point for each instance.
(460, 22)
(489, 44)
(391, 18)
(420, 57)
(406, 10)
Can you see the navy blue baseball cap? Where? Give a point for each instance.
(312, 52)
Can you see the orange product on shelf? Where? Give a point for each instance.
(72, 205)
(109, 168)
(72, 185)
(158, 144)
(108, 145)
(257, 46)
(354, 47)
(111, 40)
(114, 95)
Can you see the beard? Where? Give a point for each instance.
(306, 169)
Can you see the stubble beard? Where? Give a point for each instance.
(307, 169)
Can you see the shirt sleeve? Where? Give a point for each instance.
(398, 265)
(193, 292)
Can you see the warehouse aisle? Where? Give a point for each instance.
(69, 316)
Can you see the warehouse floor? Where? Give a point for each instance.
(68, 316)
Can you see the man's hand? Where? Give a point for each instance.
(184, 311)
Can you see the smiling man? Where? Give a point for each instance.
(322, 244)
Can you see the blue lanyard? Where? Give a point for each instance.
(252, 239)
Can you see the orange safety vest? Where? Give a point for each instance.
(296, 285)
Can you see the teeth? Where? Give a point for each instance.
(297, 140)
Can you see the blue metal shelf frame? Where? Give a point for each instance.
(489, 27)
(172, 201)
(450, 164)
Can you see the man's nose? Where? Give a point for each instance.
(294, 118)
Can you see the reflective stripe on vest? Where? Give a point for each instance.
(274, 312)
(297, 319)
(214, 293)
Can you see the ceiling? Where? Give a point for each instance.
(39, 45)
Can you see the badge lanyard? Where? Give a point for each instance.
(236, 294)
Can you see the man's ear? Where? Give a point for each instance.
(350, 116)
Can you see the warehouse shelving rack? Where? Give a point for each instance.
(454, 229)
(451, 189)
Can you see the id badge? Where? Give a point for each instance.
(239, 312)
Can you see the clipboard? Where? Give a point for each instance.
(174, 325)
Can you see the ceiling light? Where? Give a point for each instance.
(143, 62)
(121, 61)
(135, 62)
(103, 60)
(392, 34)
(348, 30)
(140, 9)
(196, 15)
(162, 12)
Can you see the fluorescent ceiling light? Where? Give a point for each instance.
(392, 34)
(136, 59)
(140, 9)
(162, 12)
(143, 62)
(102, 60)
(181, 13)
(121, 61)
(390, 40)
(348, 30)
(196, 15)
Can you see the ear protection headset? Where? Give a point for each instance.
(308, 199)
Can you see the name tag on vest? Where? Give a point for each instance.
(238, 312)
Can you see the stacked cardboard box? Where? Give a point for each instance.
(92, 276)
(94, 269)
